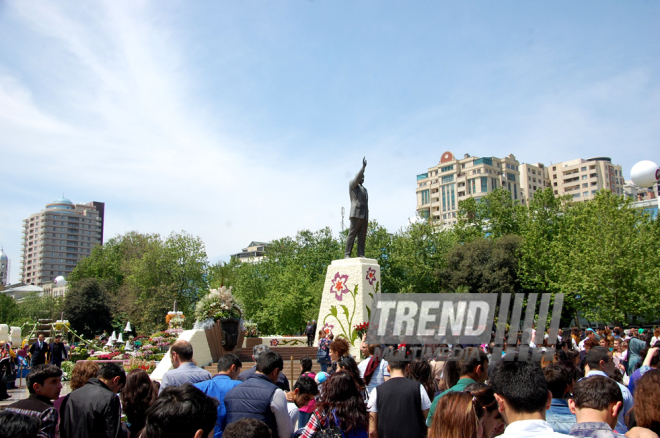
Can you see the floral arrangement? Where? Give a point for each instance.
(218, 304)
(62, 325)
(361, 329)
(175, 319)
(251, 329)
(135, 363)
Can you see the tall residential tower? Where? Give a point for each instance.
(57, 237)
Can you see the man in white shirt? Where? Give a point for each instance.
(522, 397)
(372, 370)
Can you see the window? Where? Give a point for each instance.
(585, 185)
(584, 176)
(554, 176)
(554, 167)
(484, 184)
(425, 197)
(447, 168)
(447, 179)
(511, 177)
(576, 195)
(583, 169)
(585, 194)
(593, 192)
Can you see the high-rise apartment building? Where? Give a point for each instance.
(4, 268)
(452, 180)
(583, 178)
(57, 237)
(532, 178)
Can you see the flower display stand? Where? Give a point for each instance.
(348, 294)
(224, 337)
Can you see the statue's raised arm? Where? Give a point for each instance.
(359, 216)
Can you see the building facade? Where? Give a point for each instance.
(583, 178)
(532, 178)
(636, 193)
(255, 252)
(57, 237)
(452, 180)
(4, 268)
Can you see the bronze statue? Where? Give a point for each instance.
(359, 216)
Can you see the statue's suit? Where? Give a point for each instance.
(359, 215)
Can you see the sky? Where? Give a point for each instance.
(240, 121)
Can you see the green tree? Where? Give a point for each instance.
(9, 311)
(494, 215)
(86, 308)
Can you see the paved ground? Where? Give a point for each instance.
(22, 393)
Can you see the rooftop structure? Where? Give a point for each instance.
(254, 252)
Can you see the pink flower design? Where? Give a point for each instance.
(371, 275)
(339, 285)
(328, 327)
(274, 342)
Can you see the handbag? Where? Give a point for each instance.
(330, 431)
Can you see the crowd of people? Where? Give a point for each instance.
(596, 383)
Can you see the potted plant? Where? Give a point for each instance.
(220, 314)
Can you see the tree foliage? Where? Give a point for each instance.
(87, 309)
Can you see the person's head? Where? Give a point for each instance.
(304, 391)
(492, 419)
(591, 334)
(603, 342)
(181, 412)
(230, 365)
(557, 380)
(364, 347)
(138, 394)
(321, 334)
(181, 352)
(82, 372)
(258, 350)
(58, 339)
(41, 337)
(339, 347)
(113, 376)
(590, 343)
(347, 363)
(341, 395)
(473, 364)
(421, 371)
(600, 359)
(331, 336)
(520, 388)
(45, 380)
(247, 428)
(624, 345)
(15, 425)
(457, 415)
(646, 396)
(596, 398)
(270, 364)
(616, 345)
(305, 364)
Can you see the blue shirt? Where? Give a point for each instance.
(594, 429)
(627, 402)
(187, 372)
(217, 388)
(559, 416)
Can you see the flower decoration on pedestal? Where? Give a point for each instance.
(175, 320)
(251, 329)
(274, 342)
(218, 304)
(371, 275)
(339, 286)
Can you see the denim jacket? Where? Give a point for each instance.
(559, 416)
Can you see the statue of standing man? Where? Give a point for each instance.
(359, 216)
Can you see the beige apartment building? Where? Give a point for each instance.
(57, 237)
(255, 252)
(532, 178)
(452, 180)
(583, 178)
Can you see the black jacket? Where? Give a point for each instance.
(92, 411)
(38, 354)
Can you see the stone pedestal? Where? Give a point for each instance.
(348, 294)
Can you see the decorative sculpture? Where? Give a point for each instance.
(359, 215)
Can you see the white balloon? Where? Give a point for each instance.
(645, 173)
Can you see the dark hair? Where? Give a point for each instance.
(450, 376)
(82, 372)
(484, 394)
(595, 355)
(647, 393)
(399, 358)
(471, 358)
(183, 349)
(15, 425)
(138, 394)
(306, 363)
(268, 362)
(557, 380)
(226, 361)
(590, 343)
(109, 371)
(348, 363)
(307, 385)
(340, 345)
(596, 392)
(521, 384)
(180, 411)
(654, 360)
(247, 428)
(341, 396)
(40, 373)
(420, 371)
(321, 333)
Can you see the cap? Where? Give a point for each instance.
(640, 331)
(590, 330)
(321, 377)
